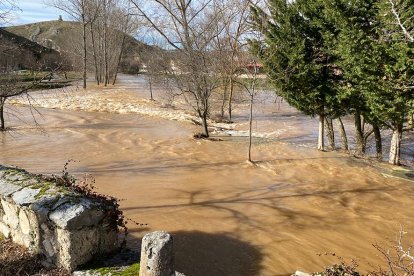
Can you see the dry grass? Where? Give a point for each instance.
(16, 260)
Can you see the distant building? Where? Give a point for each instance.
(251, 66)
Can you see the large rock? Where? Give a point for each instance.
(64, 226)
(5, 230)
(25, 196)
(75, 215)
(76, 246)
(7, 189)
(29, 230)
(157, 256)
(10, 214)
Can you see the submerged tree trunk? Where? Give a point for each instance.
(250, 127)
(119, 60)
(231, 98)
(223, 102)
(205, 125)
(106, 73)
(84, 51)
(342, 133)
(105, 43)
(2, 125)
(395, 149)
(101, 61)
(321, 141)
(150, 86)
(95, 60)
(330, 133)
(378, 141)
(359, 133)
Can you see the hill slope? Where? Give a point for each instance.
(64, 36)
(52, 34)
(19, 52)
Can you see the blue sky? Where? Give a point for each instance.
(34, 11)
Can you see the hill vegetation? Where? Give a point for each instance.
(64, 37)
(18, 52)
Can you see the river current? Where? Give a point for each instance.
(228, 217)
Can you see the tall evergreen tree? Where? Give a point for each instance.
(328, 58)
(294, 55)
(393, 100)
(351, 42)
(372, 43)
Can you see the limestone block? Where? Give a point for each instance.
(108, 239)
(65, 226)
(4, 230)
(49, 248)
(24, 222)
(76, 216)
(46, 230)
(10, 214)
(6, 188)
(29, 229)
(76, 247)
(49, 245)
(43, 206)
(25, 196)
(157, 256)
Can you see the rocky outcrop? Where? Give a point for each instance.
(67, 228)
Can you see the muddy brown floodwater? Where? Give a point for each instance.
(228, 217)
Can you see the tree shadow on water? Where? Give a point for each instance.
(199, 253)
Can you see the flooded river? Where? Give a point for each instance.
(228, 217)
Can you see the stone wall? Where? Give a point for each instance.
(65, 227)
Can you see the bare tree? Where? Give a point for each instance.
(7, 7)
(251, 70)
(12, 86)
(233, 42)
(19, 53)
(189, 28)
(77, 9)
(400, 259)
(93, 12)
(158, 67)
(124, 35)
(110, 26)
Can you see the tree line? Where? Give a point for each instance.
(336, 58)
(206, 44)
(105, 29)
(24, 65)
(326, 58)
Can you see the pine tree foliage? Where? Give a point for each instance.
(342, 57)
(294, 54)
